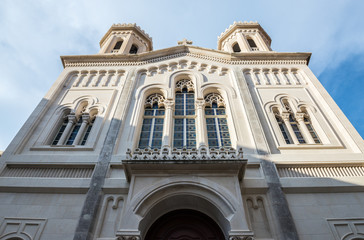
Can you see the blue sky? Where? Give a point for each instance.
(35, 33)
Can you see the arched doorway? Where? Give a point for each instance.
(184, 225)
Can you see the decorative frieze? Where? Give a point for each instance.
(47, 172)
(241, 238)
(129, 238)
(202, 153)
(94, 78)
(275, 76)
(320, 172)
(183, 54)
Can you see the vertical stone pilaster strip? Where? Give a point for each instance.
(84, 230)
(286, 229)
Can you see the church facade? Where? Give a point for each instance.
(185, 142)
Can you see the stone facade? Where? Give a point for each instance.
(245, 136)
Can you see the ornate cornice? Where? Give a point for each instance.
(269, 58)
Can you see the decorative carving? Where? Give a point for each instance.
(202, 153)
(214, 98)
(184, 83)
(184, 42)
(320, 172)
(47, 172)
(129, 238)
(100, 63)
(241, 238)
(154, 98)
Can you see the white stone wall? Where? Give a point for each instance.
(313, 213)
(46, 215)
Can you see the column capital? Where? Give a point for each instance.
(200, 103)
(285, 116)
(168, 104)
(300, 116)
(85, 117)
(72, 118)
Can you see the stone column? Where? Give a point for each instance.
(71, 120)
(200, 124)
(168, 123)
(285, 117)
(303, 128)
(81, 131)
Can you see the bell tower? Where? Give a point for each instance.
(125, 39)
(244, 37)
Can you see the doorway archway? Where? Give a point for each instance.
(184, 224)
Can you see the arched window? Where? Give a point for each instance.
(293, 122)
(133, 49)
(310, 128)
(296, 129)
(74, 132)
(61, 130)
(252, 44)
(282, 126)
(184, 122)
(117, 46)
(88, 130)
(217, 129)
(75, 128)
(152, 129)
(236, 47)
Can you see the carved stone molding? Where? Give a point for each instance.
(182, 54)
(202, 153)
(129, 238)
(241, 238)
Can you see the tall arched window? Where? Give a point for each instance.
(152, 129)
(282, 126)
(293, 122)
(133, 49)
(75, 128)
(117, 46)
(184, 122)
(61, 130)
(252, 44)
(74, 132)
(236, 47)
(309, 126)
(217, 129)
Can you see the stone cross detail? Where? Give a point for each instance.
(184, 42)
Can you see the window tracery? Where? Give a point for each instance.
(152, 127)
(216, 123)
(184, 115)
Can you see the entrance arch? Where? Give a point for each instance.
(184, 224)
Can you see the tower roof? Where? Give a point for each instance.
(128, 26)
(242, 25)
